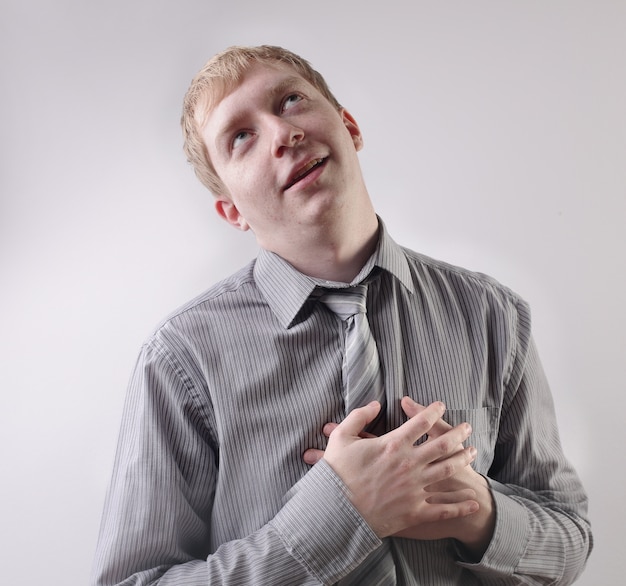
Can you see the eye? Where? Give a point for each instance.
(290, 101)
(240, 138)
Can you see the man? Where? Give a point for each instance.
(224, 473)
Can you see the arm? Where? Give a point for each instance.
(157, 523)
(542, 532)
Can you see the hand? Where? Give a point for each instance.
(474, 531)
(387, 476)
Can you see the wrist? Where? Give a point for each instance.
(478, 528)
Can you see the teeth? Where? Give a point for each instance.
(307, 168)
(303, 171)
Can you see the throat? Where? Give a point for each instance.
(338, 260)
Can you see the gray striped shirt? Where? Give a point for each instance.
(209, 485)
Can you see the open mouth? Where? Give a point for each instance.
(302, 173)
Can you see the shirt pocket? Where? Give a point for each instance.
(484, 422)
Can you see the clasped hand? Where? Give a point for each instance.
(401, 488)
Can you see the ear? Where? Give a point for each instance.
(228, 211)
(353, 129)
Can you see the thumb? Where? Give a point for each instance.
(312, 456)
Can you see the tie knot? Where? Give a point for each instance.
(345, 302)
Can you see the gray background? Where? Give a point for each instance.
(495, 138)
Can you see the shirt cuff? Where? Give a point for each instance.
(321, 528)
(510, 536)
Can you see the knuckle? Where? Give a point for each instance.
(425, 419)
(448, 469)
(393, 446)
(445, 446)
(445, 514)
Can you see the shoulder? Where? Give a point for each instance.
(436, 277)
(215, 307)
(466, 278)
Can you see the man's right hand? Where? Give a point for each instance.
(387, 475)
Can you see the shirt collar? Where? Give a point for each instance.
(286, 289)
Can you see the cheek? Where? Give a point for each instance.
(247, 176)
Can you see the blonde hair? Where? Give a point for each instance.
(214, 81)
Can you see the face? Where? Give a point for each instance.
(286, 156)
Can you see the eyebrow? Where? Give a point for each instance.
(287, 83)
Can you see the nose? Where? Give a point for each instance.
(285, 135)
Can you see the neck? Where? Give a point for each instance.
(334, 253)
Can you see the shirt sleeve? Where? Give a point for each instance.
(156, 526)
(542, 535)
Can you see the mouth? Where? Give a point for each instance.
(304, 171)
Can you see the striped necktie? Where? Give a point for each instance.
(363, 383)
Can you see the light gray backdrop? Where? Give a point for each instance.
(495, 138)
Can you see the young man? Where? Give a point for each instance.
(224, 472)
